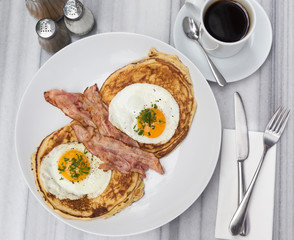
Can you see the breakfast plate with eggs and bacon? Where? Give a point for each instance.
(118, 129)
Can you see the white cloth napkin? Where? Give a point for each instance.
(261, 206)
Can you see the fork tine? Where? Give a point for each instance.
(273, 119)
(279, 120)
(283, 123)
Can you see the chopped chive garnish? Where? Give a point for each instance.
(147, 117)
(141, 132)
(76, 166)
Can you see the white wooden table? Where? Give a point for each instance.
(22, 217)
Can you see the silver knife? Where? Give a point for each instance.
(242, 150)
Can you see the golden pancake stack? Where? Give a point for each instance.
(168, 72)
(122, 190)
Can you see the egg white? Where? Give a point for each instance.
(130, 101)
(54, 182)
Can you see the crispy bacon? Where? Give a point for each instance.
(72, 104)
(116, 154)
(88, 109)
(116, 149)
(99, 113)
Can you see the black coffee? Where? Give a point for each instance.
(227, 21)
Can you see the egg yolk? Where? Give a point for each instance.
(151, 122)
(74, 165)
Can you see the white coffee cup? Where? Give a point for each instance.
(212, 45)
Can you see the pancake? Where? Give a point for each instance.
(163, 70)
(122, 190)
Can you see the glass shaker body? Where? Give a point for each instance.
(51, 9)
(52, 36)
(78, 19)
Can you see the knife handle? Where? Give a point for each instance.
(240, 214)
(241, 192)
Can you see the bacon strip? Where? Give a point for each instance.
(116, 154)
(99, 113)
(72, 104)
(88, 109)
(116, 149)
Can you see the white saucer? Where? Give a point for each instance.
(234, 68)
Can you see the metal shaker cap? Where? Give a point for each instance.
(46, 28)
(73, 9)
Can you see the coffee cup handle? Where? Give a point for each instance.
(194, 7)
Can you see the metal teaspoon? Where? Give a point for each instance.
(192, 31)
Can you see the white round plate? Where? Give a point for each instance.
(234, 68)
(188, 168)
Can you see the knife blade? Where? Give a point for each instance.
(242, 149)
(241, 129)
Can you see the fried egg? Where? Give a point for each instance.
(146, 112)
(70, 171)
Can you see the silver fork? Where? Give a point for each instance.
(272, 134)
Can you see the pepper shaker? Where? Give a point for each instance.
(77, 18)
(40, 9)
(52, 36)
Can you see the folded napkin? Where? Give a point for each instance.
(261, 206)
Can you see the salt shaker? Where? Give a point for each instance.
(52, 36)
(77, 18)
